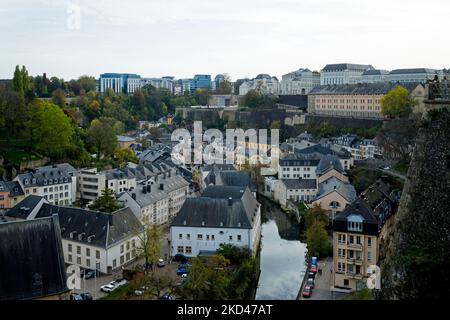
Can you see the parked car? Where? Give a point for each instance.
(120, 282)
(89, 274)
(167, 296)
(307, 292)
(310, 283)
(311, 275)
(314, 261)
(184, 265)
(86, 296)
(161, 263)
(109, 287)
(313, 269)
(182, 271)
(76, 296)
(140, 291)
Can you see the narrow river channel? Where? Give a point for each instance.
(282, 255)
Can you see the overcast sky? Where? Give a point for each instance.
(240, 37)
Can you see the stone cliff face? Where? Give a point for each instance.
(416, 256)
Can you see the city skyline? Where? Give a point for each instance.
(184, 38)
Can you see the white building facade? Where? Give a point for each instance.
(299, 82)
(343, 73)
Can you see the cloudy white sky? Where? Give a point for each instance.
(240, 37)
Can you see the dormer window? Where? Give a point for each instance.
(26, 181)
(355, 223)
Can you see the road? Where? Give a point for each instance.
(324, 282)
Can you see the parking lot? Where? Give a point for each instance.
(93, 285)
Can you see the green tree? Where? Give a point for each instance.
(13, 112)
(225, 87)
(50, 129)
(107, 202)
(149, 244)
(59, 98)
(18, 81)
(397, 103)
(157, 282)
(87, 83)
(315, 214)
(102, 136)
(317, 240)
(124, 156)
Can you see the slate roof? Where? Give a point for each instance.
(48, 175)
(236, 179)
(358, 208)
(323, 150)
(375, 72)
(13, 187)
(345, 189)
(329, 162)
(414, 70)
(32, 260)
(224, 192)
(23, 209)
(170, 184)
(119, 174)
(345, 66)
(380, 88)
(300, 183)
(218, 212)
(86, 226)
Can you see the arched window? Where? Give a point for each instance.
(335, 205)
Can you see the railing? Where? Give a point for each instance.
(354, 245)
(354, 275)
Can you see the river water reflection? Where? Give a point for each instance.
(282, 256)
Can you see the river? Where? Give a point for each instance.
(282, 255)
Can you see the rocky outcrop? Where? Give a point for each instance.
(416, 256)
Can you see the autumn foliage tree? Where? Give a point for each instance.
(397, 103)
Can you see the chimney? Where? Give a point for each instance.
(161, 186)
(230, 201)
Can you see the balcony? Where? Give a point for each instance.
(354, 246)
(354, 260)
(353, 275)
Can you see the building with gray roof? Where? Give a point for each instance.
(223, 214)
(158, 200)
(56, 183)
(91, 239)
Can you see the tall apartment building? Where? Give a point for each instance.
(357, 100)
(90, 239)
(120, 82)
(343, 73)
(158, 200)
(301, 81)
(55, 183)
(263, 83)
(357, 234)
